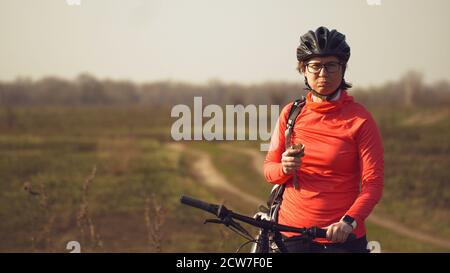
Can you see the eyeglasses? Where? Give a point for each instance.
(331, 67)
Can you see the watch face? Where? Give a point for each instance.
(349, 220)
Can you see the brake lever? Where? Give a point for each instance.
(228, 222)
(213, 221)
(238, 226)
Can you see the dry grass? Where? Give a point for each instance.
(154, 210)
(84, 220)
(43, 238)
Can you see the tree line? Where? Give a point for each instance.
(409, 91)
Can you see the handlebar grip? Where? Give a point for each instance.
(351, 237)
(322, 233)
(199, 204)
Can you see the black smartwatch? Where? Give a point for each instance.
(349, 220)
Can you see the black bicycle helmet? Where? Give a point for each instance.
(323, 42)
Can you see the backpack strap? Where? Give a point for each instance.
(296, 108)
(276, 196)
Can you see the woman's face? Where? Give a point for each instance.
(324, 81)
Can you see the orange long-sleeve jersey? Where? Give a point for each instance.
(342, 170)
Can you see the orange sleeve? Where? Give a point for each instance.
(371, 156)
(273, 171)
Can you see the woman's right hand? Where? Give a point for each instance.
(289, 161)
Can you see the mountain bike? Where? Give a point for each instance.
(269, 239)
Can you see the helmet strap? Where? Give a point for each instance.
(317, 94)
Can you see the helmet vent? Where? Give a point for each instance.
(322, 42)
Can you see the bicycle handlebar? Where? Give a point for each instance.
(200, 204)
(222, 212)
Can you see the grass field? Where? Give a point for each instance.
(132, 202)
(54, 153)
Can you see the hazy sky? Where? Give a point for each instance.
(232, 40)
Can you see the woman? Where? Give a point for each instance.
(340, 176)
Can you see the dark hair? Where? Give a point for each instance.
(344, 85)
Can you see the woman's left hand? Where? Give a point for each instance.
(338, 232)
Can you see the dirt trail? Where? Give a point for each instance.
(213, 178)
(421, 119)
